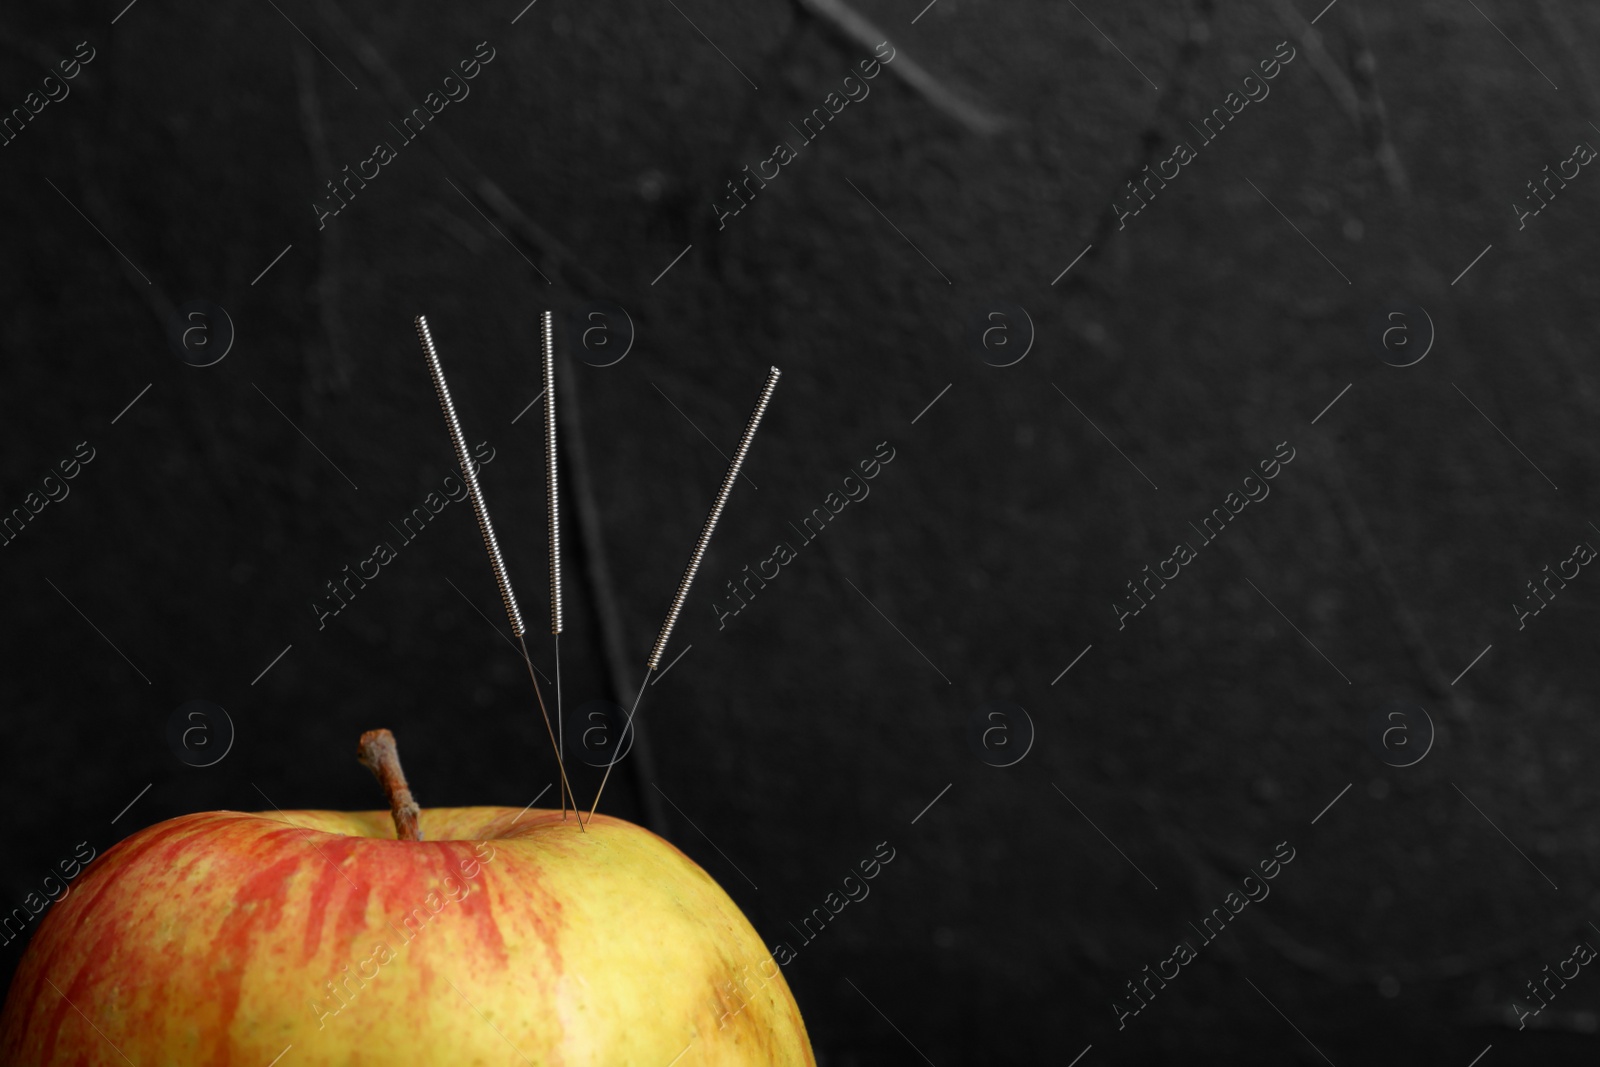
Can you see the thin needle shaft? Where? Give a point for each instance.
(625, 727)
(560, 763)
(561, 734)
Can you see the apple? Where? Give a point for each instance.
(491, 936)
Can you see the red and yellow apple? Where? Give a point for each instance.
(501, 937)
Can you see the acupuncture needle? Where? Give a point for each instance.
(695, 559)
(548, 352)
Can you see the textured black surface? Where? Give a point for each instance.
(820, 720)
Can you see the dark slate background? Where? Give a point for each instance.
(825, 717)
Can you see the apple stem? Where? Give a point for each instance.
(380, 756)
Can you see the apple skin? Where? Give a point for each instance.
(212, 939)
